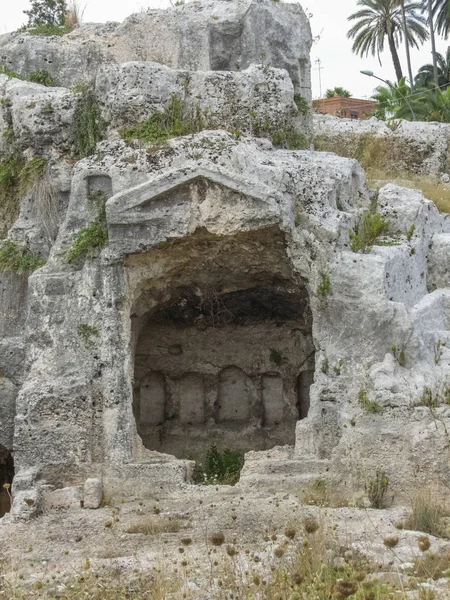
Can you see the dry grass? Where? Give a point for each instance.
(432, 566)
(46, 198)
(152, 526)
(426, 515)
(430, 185)
(74, 14)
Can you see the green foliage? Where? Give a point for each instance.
(46, 12)
(425, 75)
(302, 104)
(163, 125)
(338, 91)
(31, 172)
(410, 233)
(11, 166)
(380, 19)
(399, 355)
(338, 367)
(377, 489)
(287, 138)
(276, 356)
(367, 231)
(17, 259)
(43, 77)
(222, 468)
(324, 287)
(397, 102)
(369, 405)
(4, 70)
(88, 127)
(87, 332)
(89, 239)
(48, 30)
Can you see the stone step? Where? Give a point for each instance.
(293, 468)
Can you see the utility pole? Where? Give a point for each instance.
(319, 68)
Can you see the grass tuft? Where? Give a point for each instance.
(366, 233)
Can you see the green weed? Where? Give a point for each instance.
(17, 259)
(377, 489)
(367, 231)
(219, 467)
(369, 405)
(88, 126)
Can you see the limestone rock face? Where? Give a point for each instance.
(414, 147)
(213, 35)
(212, 288)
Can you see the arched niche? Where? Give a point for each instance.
(235, 395)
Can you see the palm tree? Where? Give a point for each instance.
(338, 91)
(380, 19)
(441, 12)
(425, 76)
(405, 31)
(428, 6)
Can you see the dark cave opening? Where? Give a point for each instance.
(6, 479)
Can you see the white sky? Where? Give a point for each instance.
(340, 66)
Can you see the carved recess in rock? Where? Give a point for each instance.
(221, 333)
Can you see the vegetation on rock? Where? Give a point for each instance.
(18, 259)
(366, 233)
(88, 127)
(163, 125)
(219, 467)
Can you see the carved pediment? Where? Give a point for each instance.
(180, 201)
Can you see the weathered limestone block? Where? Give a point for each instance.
(8, 393)
(409, 147)
(439, 261)
(217, 35)
(93, 493)
(247, 101)
(68, 498)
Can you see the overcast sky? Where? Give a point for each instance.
(329, 21)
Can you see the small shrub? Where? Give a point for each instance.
(17, 259)
(424, 543)
(367, 231)
(88, 126)
(290, 532)
(370, 406)
(217, 538)
(377, 489)
(391, 541)
(43, 77)
(311, 525)
(219, 468)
